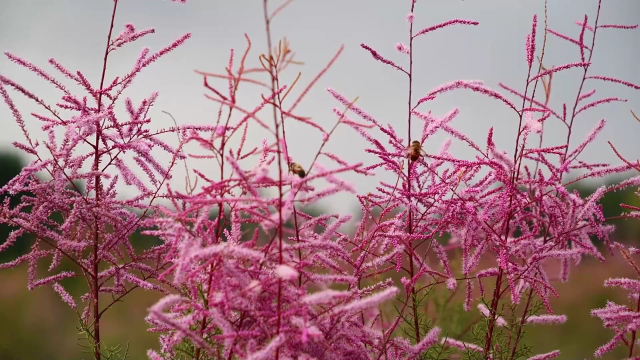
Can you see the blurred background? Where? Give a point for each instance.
(38, 325)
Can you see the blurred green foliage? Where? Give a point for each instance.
(11, 165)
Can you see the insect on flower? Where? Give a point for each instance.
(414, 151)
(297, 169)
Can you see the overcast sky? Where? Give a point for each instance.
(74, 33)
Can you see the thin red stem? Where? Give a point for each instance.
(414, 296)
(96, 164)
(279, 152)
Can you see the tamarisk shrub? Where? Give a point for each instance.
(240, 296)
(262, 279)
(316, 294)
(515, 211)
(87, 141)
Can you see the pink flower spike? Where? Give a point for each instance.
(164, 51)
(402, 48)
(127, 36)
(559, 68)
(368, 302)
(586, 95)
(14, 110)
(547, 356)
(150, 353)
(618, 81)
(325, 296)
(474, 86)
(581, 37)
(599, 102)
(354, 108)
(532, 123)
(50, 279)
(610, 345)
(424, 99)
(66, 297)
(451, 283)
(379, 57)
(445, 24)
(460, 345)
(627, 284)
(616, 26)
(429, 340)
(532, 41)
(268, 351)
(565, 37)
(580, 23)
(166, 302)
(38, 71)
(547, 319)
(528, 50)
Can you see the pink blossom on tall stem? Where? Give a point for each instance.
(531, 220)
(94, 227)
(531, 42)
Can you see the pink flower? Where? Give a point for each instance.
(410, 18)
(286, 272)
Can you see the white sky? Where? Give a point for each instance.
(74, 32)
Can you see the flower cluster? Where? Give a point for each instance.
(250, 299)
(248, 273)
(88, 152)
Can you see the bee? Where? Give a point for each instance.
(297, 169)
(414, 151)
